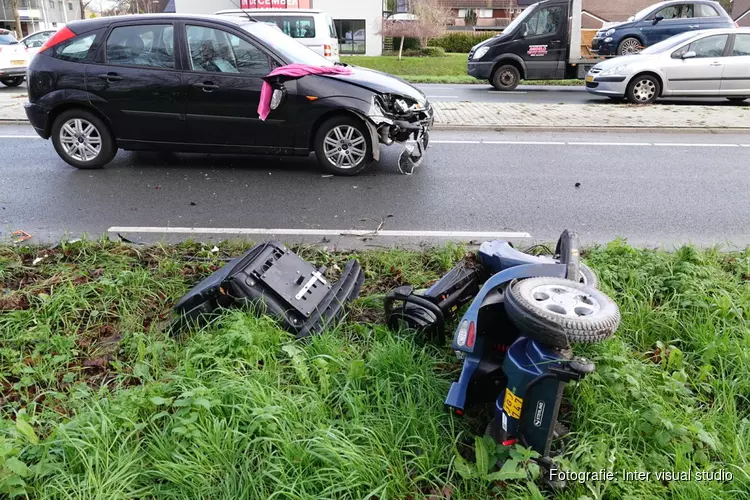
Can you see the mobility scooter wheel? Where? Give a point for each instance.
(558, 312)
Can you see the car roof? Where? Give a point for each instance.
(85, 25)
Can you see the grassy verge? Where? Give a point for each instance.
(99, 402)
(450, 69)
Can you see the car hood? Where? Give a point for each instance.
(618, 26)
(619, 61)
(382, 83)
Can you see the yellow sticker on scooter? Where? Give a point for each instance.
(512, 405)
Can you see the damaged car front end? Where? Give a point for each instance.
(399, 119)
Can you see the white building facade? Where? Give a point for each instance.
(358, 22)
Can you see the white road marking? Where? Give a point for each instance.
(682, 144)
(609, 144)
(538, 143)
(454, 142)
(507, 92)
(19, 137)
(319, 232)
(441, 96)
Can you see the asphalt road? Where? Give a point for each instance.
(524, 93)
(650, 188)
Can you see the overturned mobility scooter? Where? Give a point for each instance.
(515, 338)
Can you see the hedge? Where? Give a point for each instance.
(426, 52)
(460, 41)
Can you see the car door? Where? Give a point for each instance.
(736, 77)
(137, 85)
(542, 36)
(675, 19)
(223, 77)
(701, 74)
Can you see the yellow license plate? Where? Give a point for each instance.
(589, 78)
(17, 63)
(512, 404)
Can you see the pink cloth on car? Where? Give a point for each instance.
(293, 71)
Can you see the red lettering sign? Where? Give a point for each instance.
(269, 4)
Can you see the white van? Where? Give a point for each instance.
(312, 28)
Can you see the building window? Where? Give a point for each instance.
(352, 36)
(484, 13)
(60, 5)
(51, 4)
(70, 5)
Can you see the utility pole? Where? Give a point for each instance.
(17, 17)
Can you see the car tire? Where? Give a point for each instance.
(558, 312)
(12, 82)
(82, 139)
(643, 89)
(506, 78)
(629, 46)
(346, 132)
(737, 100)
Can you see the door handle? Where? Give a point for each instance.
(716, 64)
(692, 26)
(556, 41)
(111, 77)
(206, 86)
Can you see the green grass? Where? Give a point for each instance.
(450, 69)
(99, 402)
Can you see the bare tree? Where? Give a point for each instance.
(429, 19)
(14, 5)
(84, 5)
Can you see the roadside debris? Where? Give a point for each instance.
(578, 184)
(39, 259)
(21, 236)
(274, 280)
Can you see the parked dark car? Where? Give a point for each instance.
(659, 22)
(193, 84)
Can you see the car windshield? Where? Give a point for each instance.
(669, 43)
(517, 21)
(289, 48)
(7, 39)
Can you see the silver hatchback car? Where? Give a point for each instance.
(710, 63)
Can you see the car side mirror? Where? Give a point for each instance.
(277, 98)
(657, 19)
(689, 54)
(525, 30)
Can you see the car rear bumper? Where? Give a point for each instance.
(480, 70)
(12, 71)
(38, 117)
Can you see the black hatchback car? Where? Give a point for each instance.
(193, 84)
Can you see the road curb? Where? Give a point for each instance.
(485, 128)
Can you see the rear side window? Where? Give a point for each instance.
(331, 27)
(293, 26)
(77, 49)
(741, 45)
(707, 11)
(150, 45)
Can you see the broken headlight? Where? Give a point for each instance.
(398, 106)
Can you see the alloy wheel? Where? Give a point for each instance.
(80, 139)
(345, 146)
(644, 90)
(630, 47)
